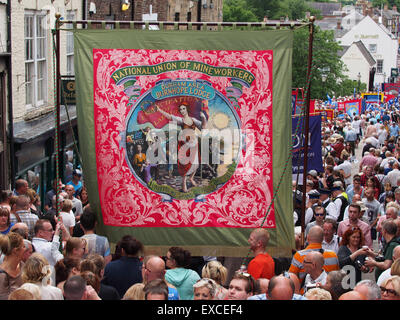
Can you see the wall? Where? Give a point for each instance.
(21, 112)
(355, 63)
(370, 33)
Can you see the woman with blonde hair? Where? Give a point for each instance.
(390, 288)
(216, 271)
(205, 289)
(37, 271)
(75, 247)
(13, 247)
(135, 292)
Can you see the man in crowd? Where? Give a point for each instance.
(23, 214)
(314, 240)
(354, 221)
(262, 266)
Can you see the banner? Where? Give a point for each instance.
(314, 155)
(353, 107)
(326, 114)
(186, 133)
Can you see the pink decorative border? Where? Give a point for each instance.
(241, 202)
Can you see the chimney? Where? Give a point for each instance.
(338, 25)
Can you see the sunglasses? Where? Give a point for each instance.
(389, 291)
(249, 278)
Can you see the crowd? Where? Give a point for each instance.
(351, 249)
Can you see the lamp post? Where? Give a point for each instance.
(323, 78)
(359, 82)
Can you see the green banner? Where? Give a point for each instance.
(267, 114)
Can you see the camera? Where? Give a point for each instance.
(359, 264)
(379, 258)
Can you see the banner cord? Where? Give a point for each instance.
(247, 258)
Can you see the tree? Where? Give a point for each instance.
(325, 57)
(265, 8)
(238, 11)
(295, 9)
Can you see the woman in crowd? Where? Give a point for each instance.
(75, 248)
(352, 251)
(5, 222)
(66, 268)
(216, 271)
(13, 248)
(204, 289)
(390, 288)
(178, 275)
(37, 271)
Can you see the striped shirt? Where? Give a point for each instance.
(28, 218)
(297, 267)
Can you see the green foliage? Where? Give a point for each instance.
(325, 48)
(238, 11)
(325, 57)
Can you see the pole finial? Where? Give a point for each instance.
(312, 19)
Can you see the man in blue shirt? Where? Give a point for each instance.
(76, 181)
(394, 130)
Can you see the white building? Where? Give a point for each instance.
(381, 44)
(358, 61)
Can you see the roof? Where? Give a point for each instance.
(326, 8)
(364, 51)
(370, 59)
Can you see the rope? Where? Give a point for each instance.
(247, 258)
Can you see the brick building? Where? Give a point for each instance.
(153, 10)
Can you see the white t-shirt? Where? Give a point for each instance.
(68, 219)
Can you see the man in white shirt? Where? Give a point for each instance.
(331, 239)
(313, 266)
(329, 206)
(346, 168)
(387, 273)
(393, 176)
(47, 241)
(76, 203)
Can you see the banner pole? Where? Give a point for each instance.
(57, 120)
(307, 129)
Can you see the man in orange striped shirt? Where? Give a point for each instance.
(314, 238)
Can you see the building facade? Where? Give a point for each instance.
(381, 44)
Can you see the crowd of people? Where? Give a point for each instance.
(351, 249)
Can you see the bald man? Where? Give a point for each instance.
(262, 266)
(154, 268)
(314, 237)
(352, 295)
(283, 287)
(280, 288)
(313, 265)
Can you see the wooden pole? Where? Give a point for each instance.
(307, 129)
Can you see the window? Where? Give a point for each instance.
(379, 66)
(372, 47)
(70, 45)
(35, 59)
